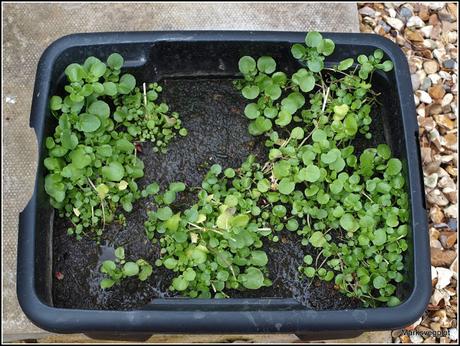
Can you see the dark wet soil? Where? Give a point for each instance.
(212, 112)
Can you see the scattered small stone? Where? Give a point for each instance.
(447, 100)
(439, 54)
(453, 334)
(442, 258)
(367, 11)
(405, 339)
(416, 339)
(434, 109)
(448, 239)
(433, 20)
(445, 75)
(424, 12)
(445, 15)
(436, 91)
(431, 181)
(435, 78)
(454, 268)
(415, 81)
(451, 211)
(452, 223)
(423, 96)
(436, 215)
(395, 23)
(444, 276)
(415, 22)
(406, 12)
(396, 333)
(452, 9)
(10, 99)
(430, 44)
(426, 31)
(385, 26)
(436, 326)
(449, 63)
(436, 6)
(430, 66)
(452, 37)
(425, 84)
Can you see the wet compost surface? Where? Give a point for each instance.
(212, 111)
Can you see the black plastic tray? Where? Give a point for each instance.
(214, 54)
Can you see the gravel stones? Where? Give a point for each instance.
(427, 33)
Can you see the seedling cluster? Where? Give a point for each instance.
(92, 158)
(349, 209)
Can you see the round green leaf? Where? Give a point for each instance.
(89, 122)
(297, 133)
(107, 283)
(286, 186)
(317, 239)
(253, 278)
(283, 119)
(319, 135)
(393, 167)
(247, 64)
(99, 108)
(164, 213)
(326, 47)
(98, 69)
(380, 237)
(189, 274)
(251, 111)
(115, 61)
(384, 151)
(307, 83)
(180, 284)
(177, 186)
(170, 263)
(259, 258)
(298, 51)
(110, 88)
(266, 64)
(113, 172)
(55, 103)
(348, 222)
(387, 66)
(393, 301)
(273, 91)
(127, 84)
(315, 65)
(309, 272)
(313, 173)
(345, 64)
(379, 282)
(250, 92)
(313, 39)
(263, 185)
(74, 72)
(130, 269)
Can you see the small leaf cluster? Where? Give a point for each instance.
(352, 209)
(120, 269)
(349, 209)
(92, 159)
(279, 100)
(146, 120)
(315, 51)
(216, 244)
